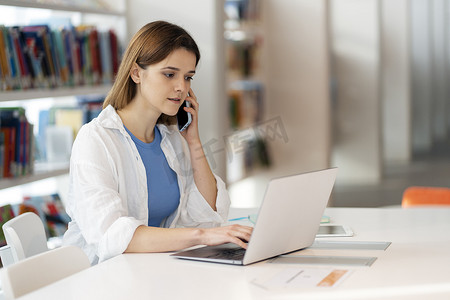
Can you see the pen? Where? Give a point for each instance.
(237, 219)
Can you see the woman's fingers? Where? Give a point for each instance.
(237, 234)
(241, 235)
(243, 232)
(239, 242)
(193, 100)
(191, 94)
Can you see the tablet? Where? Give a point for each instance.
(331, 230)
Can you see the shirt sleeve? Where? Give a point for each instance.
(194, 210)
(198, 213)
(95, 204)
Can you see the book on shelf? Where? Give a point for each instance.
(71, 51)
(106, 50)
(38, 56)
(71, 117)
(115, 50)
(9, 144)
(7, 61)
(23, 70)
(91, 106)
(17, 142)
(6, 214)
(5, 75)
(94, 50)
(35, 50)
(246, 103)
(2, 152)
(247, 144)
(57, 117)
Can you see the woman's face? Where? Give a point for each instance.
(163, 86)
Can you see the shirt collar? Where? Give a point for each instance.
(109, 118)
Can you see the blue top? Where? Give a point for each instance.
(162, 183)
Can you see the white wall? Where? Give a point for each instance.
(355, 31)
(396, 85)
(297, 80)
(204, 21)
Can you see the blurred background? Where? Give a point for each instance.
(285, 86)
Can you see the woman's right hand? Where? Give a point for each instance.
(237, 234)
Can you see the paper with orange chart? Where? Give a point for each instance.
(302, 278)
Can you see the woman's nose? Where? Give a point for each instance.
(181, 85)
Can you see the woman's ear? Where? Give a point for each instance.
(135, 74)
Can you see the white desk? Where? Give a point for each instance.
(415, 266)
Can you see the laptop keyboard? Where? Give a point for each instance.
(231, 254)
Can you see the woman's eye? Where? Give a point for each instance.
(189, 78)
(169, 75)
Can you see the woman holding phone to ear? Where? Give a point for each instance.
(138, 184)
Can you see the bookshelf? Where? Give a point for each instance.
(104, 14)
(246, 89)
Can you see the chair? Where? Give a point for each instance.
(425, 196)
(25, 236)
(42, 269)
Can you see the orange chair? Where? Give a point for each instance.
(426, 196)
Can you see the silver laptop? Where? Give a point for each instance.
(288, 220)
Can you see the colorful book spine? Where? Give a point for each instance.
(105, 55)
(11, 57)
(35, 38)
(17, 139)
(9, 150)
(61, 56)
(4, 64)
(2, 153)
(22, 65)
(114, 51)
(94, 52)
(6, 214)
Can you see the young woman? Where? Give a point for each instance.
(136, 183)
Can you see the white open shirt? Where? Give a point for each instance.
(108, 196)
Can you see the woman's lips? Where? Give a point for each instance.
(176, 100)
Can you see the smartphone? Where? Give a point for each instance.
(184, 118)
(328, 230)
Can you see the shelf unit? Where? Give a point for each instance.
(50, 170)
(41, 171)
(45, 170)
(54, 93)
(245, 81)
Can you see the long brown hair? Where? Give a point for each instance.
(150, 45)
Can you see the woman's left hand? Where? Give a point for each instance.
(191, 133)
(203, 175)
